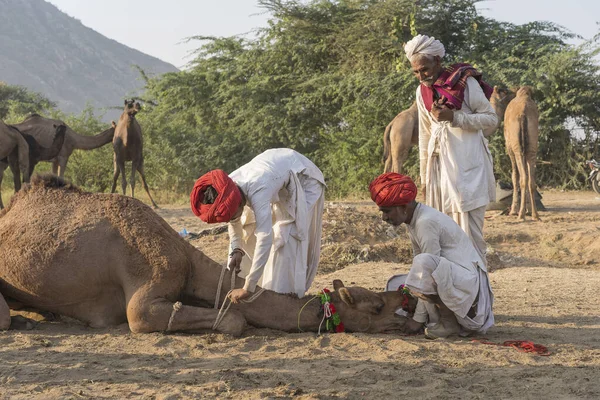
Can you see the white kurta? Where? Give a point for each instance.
(466, 176)
(460, 275)
(280, 229)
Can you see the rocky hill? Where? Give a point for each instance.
(49, 52)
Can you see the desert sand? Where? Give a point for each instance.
(545, 277)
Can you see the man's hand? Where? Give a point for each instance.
(238, 295)
(235, 263)
(442, 113)
(413, 326)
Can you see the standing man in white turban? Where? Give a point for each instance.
(455, 162)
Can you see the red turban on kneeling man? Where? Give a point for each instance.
(226, 203)
(392, 189)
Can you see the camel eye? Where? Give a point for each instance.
(379, 308)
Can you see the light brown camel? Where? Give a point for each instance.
(399, 136)
(42, 129)
(128, 146)
(106, 259)
(36, 154)
(403, 132)
(521, 135)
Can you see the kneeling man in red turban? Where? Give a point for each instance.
(274, 206)
(447, 274)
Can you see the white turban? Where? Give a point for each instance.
(422, 44)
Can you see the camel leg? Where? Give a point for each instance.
(4, 314)
(61, 166)
(55, 166)
(515, 179)
(13, 162)
(134, 167)
(532, 187)
(400, 159)
(141, 171)
(388, 164)
(116, 171)
(523, 184)
(147, 313)
(3, 166)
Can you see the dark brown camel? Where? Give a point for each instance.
(36, 154)
(128, 146)
(109, 259)
(42, 129)
(521, 135)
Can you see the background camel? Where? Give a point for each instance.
(403, 132)
(42, 129)
(36, 154)
(399, 136)
(128, 146)
(106, 259)
(521, 135)
(12, 140)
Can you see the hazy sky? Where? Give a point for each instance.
(158, 27)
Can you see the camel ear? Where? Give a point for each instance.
(337, 284)
(55, 126)
(495, 88)
(113, 124)
(125, 102)
(346, 296)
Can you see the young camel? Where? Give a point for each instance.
(403, 132)
(521, 135)
(37, 153)
(128, 146)
(109, 259)
(43, 131)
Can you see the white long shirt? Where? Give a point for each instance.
(467, 175)
(271, 178)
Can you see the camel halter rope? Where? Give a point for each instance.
(224, 308)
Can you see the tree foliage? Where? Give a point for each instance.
(326, 76)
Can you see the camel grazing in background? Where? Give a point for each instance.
(36, 154)
(106, 259)
(403, 132)
(521, 135)
(128, 146)
(399, 136)
(42, 129)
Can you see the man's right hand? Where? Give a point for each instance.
(235, 263)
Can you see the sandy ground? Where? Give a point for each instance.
(545, 277)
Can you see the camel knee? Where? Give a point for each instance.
(233, 323)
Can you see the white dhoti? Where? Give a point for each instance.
(470, 221)
(466, 291)
(295, 253)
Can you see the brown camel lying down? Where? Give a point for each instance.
(107, 259)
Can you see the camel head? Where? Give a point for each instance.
(362, 310)
(132, 107)
(525, 91)
(500, 99)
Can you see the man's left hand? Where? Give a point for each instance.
(238, 295)
(442, 113)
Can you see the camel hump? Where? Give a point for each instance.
(50, 181)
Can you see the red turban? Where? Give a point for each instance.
(392, 189)
(227, 202)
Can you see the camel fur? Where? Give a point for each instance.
(521, 134)
(43, 131)
(128, 146)
(399, 136)
(36, 154)
(106, 259)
